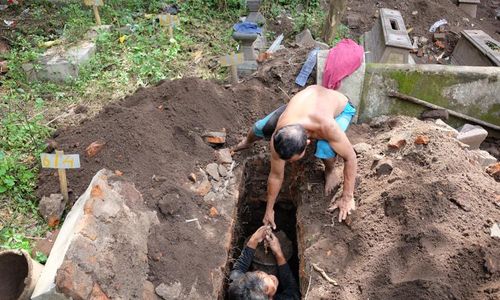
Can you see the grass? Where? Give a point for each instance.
(136, 52)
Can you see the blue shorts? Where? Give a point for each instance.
(265, 128)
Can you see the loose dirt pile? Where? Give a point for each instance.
(420, 232)
(156, 132)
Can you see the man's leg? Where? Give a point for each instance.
(261, 129)
(247, 141)
(332, 181)
(328, 155)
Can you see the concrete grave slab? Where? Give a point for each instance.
(59, 64)
(352, 86)
(104, 234)
(388, 41)
(476, 48)
(472, 91)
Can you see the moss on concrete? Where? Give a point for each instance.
(425, 86)
(429, 87)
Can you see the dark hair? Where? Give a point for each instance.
(248, 287)
(290, 140)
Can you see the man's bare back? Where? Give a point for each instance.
(310, 105)
(314, 113)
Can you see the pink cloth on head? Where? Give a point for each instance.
(343, 60)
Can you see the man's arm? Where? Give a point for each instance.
(274, 182)
(243, 263)
(340, 143)
(285, 276)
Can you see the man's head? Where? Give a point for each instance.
(256, 285)
(290, 142)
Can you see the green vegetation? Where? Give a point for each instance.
(136, 52)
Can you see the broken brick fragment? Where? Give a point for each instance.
(494, 171)
(213, 212)
(94, 148)
(215, 137)
(422, 140)
(397, 143)
(97, 293)
(440, 44)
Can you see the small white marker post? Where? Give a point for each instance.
(170, 21)
(232, 60)
(95, 4)
(61, 162)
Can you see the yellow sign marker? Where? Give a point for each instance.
(170, 21)
(61, 162)
(232, 60)
(58, 161)
(93, 2)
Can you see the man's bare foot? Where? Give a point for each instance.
(332, 181)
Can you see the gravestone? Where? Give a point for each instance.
(388, 41)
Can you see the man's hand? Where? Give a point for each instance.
(258, 236)
(345, 204)
(275, 246)
(269, 218)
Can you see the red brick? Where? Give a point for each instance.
(440, 44)
(97, 293)
(397, 143)
(422, 140)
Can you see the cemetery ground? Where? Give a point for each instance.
(128, 57)
(426, 205)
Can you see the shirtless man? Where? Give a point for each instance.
(314, 113)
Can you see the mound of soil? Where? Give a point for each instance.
(156, 132)
(421, 232)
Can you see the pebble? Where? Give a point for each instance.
(213, 170)
(222, 171)
(209, 197)
(495, 231)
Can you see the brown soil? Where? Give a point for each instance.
(157, 132)
(420, 233)
(429, 11)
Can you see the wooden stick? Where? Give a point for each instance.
(398, 95)
(324, 275)
(171, 31)
(63, 181)
(97, 16)
(308, 286)
(234, 74)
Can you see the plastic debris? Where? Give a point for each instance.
(247, 27)
(436, 25)
(8, 23)
(307, 68)
(276, 44)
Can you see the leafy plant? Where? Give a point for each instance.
(11, 239)
(41, 257)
